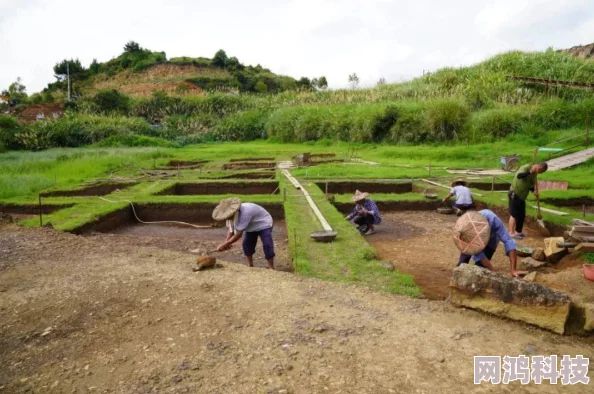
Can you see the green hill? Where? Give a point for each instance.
(186, 100)
(140, 72)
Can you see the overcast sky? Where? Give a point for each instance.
(394, 39)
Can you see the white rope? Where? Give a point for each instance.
(160, 222)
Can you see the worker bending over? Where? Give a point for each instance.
(463, 196)
(477, 235)
(251, 221)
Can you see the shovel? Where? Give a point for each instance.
(544, 231)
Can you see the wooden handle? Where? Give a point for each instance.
(539, 215)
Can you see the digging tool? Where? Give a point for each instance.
(544, 231)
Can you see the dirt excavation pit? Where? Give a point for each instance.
(97, 190)
(20, 213)
(580, 204)
(252, 159)
(420, 243)
(247, 165)
(251, 175)
(122, 224)
(369, 187)
(221, 188)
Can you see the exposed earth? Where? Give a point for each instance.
(101, 314)
(420, 243)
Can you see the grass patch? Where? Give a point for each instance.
(348, 259)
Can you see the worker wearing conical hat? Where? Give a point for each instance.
(250, 221)
(463, 196)
(366, 213)
(477, 234)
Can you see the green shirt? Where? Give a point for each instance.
(523, 186)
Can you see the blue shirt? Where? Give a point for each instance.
(463, 195)
(498, 234)
(371, 206)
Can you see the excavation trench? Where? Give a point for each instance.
(123, 225)
(251, 175)
(576, 203)
(220, 188)
(252, 159)
(334, 187)
(183, 165)
(97, 190)
(248, 165)
(418, 241)
(24, 212)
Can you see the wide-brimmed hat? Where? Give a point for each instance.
(359, 196)
(459, 180)
(472, 233)
(226, 209)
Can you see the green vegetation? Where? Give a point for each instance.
(348, 259)
(473, 105)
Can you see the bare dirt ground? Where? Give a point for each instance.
(420, 243)
(201, 241)
(100, 314)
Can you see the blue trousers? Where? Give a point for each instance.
(250, 240)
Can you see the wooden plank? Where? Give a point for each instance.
(580, 222)
(583, 229)
(581, 237)
(587, 247)
(558, 213)
(310, 201)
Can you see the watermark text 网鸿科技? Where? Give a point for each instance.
(538, 369)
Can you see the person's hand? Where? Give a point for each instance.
(518, 274)
(223, 246)
(363, 212)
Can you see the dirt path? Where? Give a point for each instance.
(98, 314)
(420, 243)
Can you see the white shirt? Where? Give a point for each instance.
(463, 194)
(252, 218)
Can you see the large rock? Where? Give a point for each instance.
(539, 254)
(529, 264)
(478, 288)
(553, 252)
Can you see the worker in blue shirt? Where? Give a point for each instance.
(477, 235)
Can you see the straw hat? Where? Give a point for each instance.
(459, 180)
(472, 233)
(359, 196)
(226, 209)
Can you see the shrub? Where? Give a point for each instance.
(112, 100)
(9, 126)
(382, 124)
(411, 127)
(242, 126)
(446, 119)
(554, 114)
(497, 123)
(74, 131)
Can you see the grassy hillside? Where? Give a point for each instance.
(475, 104)
(139, 72)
